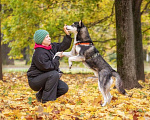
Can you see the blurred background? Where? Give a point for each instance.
(21, 18)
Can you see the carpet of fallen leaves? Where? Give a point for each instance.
(17, 101)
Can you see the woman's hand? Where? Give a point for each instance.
(65, 30)
(60, 54)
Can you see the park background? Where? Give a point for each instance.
(21, 18)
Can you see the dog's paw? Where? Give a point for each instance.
(70, 65)
(109, 99)
(104, 104)
(56, 54)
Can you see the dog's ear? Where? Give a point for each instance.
(81, 23)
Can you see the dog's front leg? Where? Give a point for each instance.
(75, 58)
(56, 54)
(67, 54)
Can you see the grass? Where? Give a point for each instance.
(78, 67)
(147, 67)
(19, 66)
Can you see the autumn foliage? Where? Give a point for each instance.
(83, 101)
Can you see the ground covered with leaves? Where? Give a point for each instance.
(17, 101)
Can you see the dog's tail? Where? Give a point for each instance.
(119, 83)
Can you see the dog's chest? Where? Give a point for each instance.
(78, 48)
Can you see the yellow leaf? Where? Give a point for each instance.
(142, 118)
(117, 118)
(67, 111)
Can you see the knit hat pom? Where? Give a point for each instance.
(39, 36)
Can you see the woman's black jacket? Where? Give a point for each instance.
(42, 60)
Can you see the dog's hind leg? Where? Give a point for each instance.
(109, 96)
(103, 91)
(104, 85)
(95, 75)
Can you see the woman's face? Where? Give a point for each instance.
(46, 41)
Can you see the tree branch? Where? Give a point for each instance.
(145, 7)
(105, 40)
(102, 20)
(146, 30)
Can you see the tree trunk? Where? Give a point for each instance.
(136, 5)
(126, 65)
(26, 55)
(1, 76)
(5, 57)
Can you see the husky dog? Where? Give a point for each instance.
(83, 50)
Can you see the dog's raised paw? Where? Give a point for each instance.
(70, 67)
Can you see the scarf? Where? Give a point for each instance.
(42, 46)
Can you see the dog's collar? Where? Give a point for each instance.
(83, 43)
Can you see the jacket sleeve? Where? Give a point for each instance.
(43, 63)
(65, 44)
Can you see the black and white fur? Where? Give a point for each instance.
(90, 56)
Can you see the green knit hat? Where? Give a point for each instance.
(39, 36)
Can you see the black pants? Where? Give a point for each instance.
(49, 86)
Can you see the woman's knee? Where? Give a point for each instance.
(62, 88)
(54, 75)
(65, 88)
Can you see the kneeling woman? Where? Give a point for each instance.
(43, 74)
